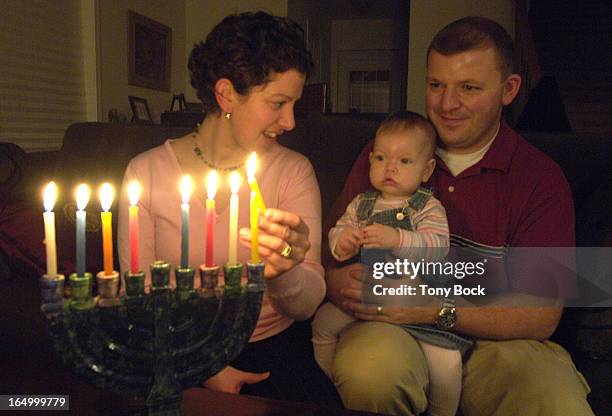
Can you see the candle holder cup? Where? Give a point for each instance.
(151, 345)
(232, 274)
(184, 282)
(255, 274)
(52, 293)
(209, 277)
(108, 288)
(135, 284)
(80, 291)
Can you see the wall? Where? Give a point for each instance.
(113, 44)
(202, 16)
(427, 17)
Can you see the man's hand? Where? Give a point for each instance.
(348, 244)
(231, 380)
(380, 236)
(344, 284)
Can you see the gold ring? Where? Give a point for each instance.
(379, 310)
(287, 251)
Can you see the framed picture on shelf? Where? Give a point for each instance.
(149, 52)
(140, 110)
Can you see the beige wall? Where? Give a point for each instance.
(427, 17)
(202, 16)
(113, 43)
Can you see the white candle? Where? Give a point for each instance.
(49, 198)
(235, 182)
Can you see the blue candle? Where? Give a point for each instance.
(186, 186)
(82, 197)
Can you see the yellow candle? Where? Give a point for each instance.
(49, 198)
(235, 182)
(254, 228)
(106, 200)
(251, 168)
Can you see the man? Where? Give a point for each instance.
(499, 192)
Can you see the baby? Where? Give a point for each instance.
(400, 214)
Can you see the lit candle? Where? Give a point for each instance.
(251, 168)
(49, 198)
(82, 197)
(212, 179)
(235, 182)
(254, 228)
(186, 190)
(106, 200)
(134, 191)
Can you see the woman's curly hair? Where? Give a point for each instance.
(246, 48)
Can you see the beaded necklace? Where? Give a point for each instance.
(200, 154)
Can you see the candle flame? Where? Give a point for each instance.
(251, 167)
(212, 181)
(134, 191)
(235, 182)
(82, 196)
(186, 186)
(50, 196)
(106, 193)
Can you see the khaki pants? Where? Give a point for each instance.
(380, 368)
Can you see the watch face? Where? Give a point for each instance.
(447, 317)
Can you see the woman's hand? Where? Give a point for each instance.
(283, 241)
(231, 380)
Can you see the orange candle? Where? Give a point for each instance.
(106, 200)
(251, 168)
(133, 194)
(254, 228)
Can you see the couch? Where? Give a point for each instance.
(96, 152)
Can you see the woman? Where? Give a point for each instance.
(248, 74)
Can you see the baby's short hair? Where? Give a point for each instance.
(408, 120)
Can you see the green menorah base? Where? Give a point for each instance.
(153, 345)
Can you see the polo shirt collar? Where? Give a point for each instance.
(499, 155)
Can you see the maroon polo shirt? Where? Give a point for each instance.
(515, 196)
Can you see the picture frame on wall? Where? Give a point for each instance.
(140, 110)
(149, 52)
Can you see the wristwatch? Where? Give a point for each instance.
(447, 315)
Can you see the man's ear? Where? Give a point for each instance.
(429, 168)
(512, 84)
(225, 95)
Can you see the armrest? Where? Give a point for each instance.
(22, 174)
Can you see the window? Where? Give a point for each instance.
(369, 91)
(42, 86)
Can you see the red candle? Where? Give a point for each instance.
(134, 194)
(212, 179)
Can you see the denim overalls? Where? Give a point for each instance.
(400, 218)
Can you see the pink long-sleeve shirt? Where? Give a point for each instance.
(287, 182)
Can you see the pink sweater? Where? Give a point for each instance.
(287, 181)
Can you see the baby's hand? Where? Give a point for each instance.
(348, 243)
(380, 236)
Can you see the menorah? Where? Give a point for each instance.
(155, 344)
